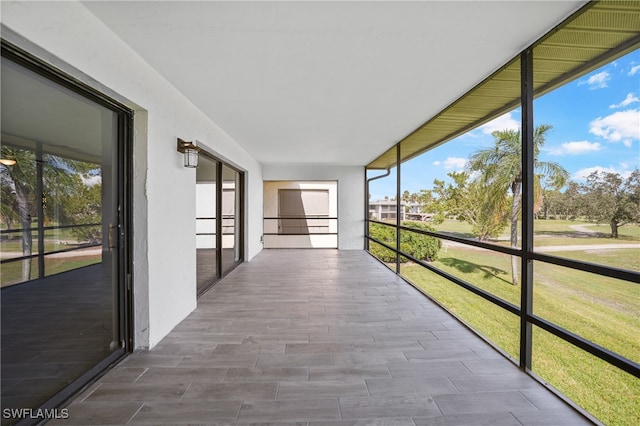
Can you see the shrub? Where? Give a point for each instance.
(420, 246)
(382, 253)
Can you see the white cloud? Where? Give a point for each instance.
(91, 180)
(634, 70)
(457, 163)
(576, 148)
(631, 98)
(436, 163)
(621, 126)
(581, 175)
(597, 81)
(503, 122)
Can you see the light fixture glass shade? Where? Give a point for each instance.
(190, 158)
(7, 162)
(190, 152)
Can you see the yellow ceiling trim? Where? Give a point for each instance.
(597, 33)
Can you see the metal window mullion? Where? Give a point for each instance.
(219, 184)
(366, 211)
(398, 207)
(526, 281)
(240, 216)
(40, 208)
(367, 183)
(125, 193)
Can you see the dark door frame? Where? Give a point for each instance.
(240, 214)
(122, 214)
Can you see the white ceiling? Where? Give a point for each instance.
(333, 83)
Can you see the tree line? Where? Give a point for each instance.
(488, 193)
(605, 198)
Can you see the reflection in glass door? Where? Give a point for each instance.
(218, 220)
(206, 224)
(63, 235)
(230, 228)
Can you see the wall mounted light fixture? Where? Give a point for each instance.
(190, 151)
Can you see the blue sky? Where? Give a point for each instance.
(596, 126)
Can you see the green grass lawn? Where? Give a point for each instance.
(559, 233)
(555, 232)
(12, 271)
(627, 232)
(548, 228)
(455, 228)
(54, 239)
(16, 246)
(601, 309)
(486, 269)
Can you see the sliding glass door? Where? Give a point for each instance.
(218, 220)
(63, 229)
(206, 223)
(230, 215)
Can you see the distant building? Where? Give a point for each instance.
(413, 211)
(386, 210)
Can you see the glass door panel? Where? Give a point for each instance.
(218, 220)
(61, 187)
(206, 223)
(230, 209)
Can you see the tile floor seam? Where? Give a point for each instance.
(226, 373)
(389, 371)
(468, 369)
(235, 420)
(141, 374)
(425, 348)
(98, 386)
(366, 385)
(437, 405)
(516, 417)
(528, 399)
(185, 391)
(136, 413)
(453, 383)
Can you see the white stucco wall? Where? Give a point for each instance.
(350, 195)
(67, 35)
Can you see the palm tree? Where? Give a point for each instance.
(500, 169)
(60, 177)
(19, 192)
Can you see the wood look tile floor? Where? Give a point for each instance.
(318, 337)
